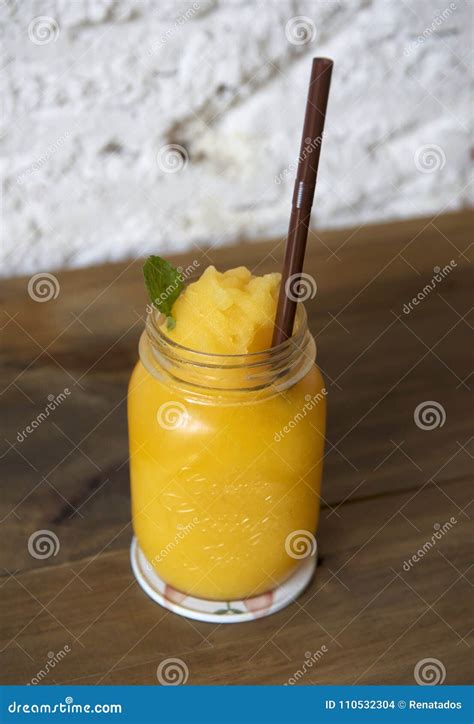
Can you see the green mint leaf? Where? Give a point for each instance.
(170, 323)
(164, 284)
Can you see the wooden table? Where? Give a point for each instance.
(388, 484)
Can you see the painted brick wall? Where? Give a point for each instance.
(138, 126)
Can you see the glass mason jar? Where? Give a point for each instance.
(225, 459)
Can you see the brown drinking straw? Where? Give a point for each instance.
(303, 195)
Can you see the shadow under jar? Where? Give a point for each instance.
(226, 459)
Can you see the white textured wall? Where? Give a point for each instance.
(91, 100)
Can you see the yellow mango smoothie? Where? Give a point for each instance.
(226, 439)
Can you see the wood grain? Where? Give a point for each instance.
(386, 482)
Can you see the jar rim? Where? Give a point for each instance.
(198, 372)
(155, 319)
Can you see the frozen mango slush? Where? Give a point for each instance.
(226, 439)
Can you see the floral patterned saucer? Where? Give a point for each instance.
(200, 609)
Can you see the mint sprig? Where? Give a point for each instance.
(164, 284)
